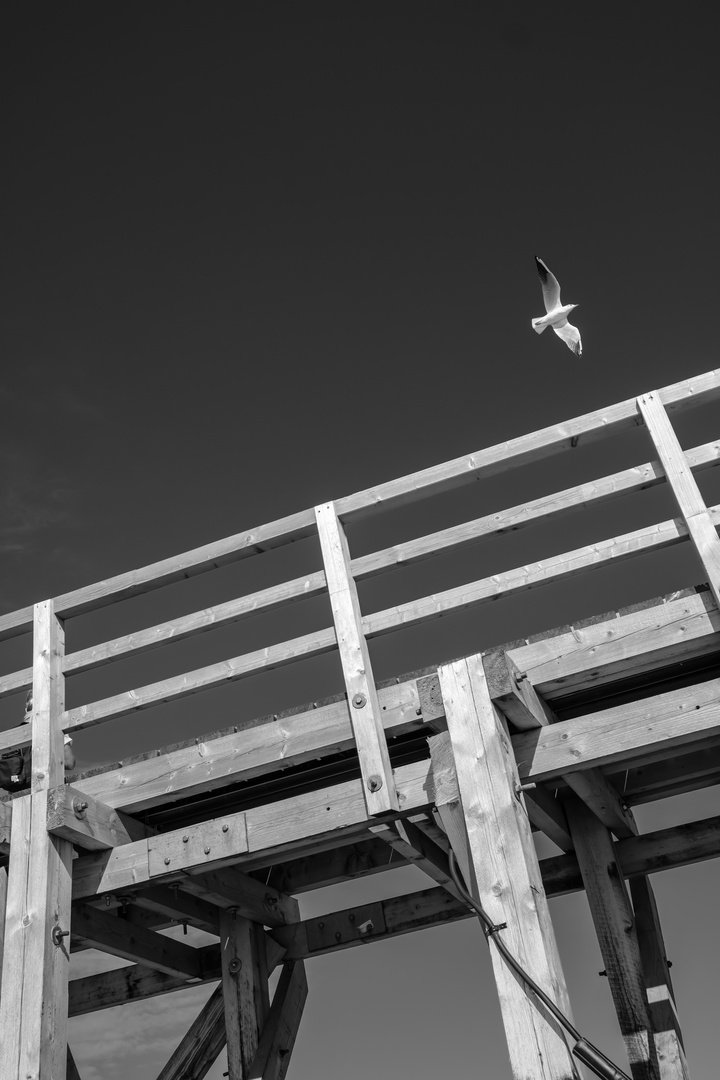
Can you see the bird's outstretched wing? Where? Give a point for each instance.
(550, 286)
(571, 336)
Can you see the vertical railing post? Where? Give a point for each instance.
(363, 704)
(683, 485)
(33, 1007)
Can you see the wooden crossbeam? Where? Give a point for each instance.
(363, 703)
(249, 753)
(491, 836)
(684, 487)
(615, 927)
(516, 697)
(131, 941)
(277, 1039)
(89, 823)
(414, 846)
(230, 888)
(176, 904)
(616, 645)
(199, 1047)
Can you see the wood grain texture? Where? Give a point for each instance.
(364, 706)
(684, 487)
(245, 991)
(658, 984)
(196, 1052)
(615, 927)
(277, 1039)
(130, 941)
(503, 871)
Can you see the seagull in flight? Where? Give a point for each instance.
(557, 313)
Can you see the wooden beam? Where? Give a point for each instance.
(281, 1026)
(199, 1047)
(251, 752)
(245, 991)
(303, 824)
(179, 906)
(363, 704)
(513, 693)
(618, 644)
(615, 928)
(658, 984)
(415, 847)
(120, 937)
(649, 727)
(89, 823)
(3, 905)
(230, 888)
(33, 1009)
(503, 871)
(72, 1072)
(684, 487)
(519, 451)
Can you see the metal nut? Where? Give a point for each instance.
(225, 827)
(234, 965)
(166, 860)
(359, 700)
(374, 782)
(79, 806)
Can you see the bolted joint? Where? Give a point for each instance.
(57, 934)
(235, 965)
(79, 807)
(359, 700)
(374, 782)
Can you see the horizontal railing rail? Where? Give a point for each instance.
(395, 493)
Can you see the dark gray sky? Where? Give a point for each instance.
(260, 256)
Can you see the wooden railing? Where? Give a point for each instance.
(351, 630)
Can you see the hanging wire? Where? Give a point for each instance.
(583, 1050)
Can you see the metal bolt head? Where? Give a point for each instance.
(185, 839)
(207, 850)
(234, 965)
(225, 827)
(359, 700)
(166, 860)
(374, 782)
(79, 806)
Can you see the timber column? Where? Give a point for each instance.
(36, 961)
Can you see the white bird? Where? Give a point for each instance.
(557, 313)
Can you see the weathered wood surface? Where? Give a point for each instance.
(277, 1039)
(615, 927)
(245, 990)
(249, 753)
(89, 823)
(651, 726)
(33, 1005)
(616, 644)
(196, 1052)
(658, 984)
(684, 487)
(502, 868)
(364, 706)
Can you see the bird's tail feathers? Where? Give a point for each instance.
(538, 328)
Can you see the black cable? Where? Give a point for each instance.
(583, 1050)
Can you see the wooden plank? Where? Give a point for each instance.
(684, 487)
(415, 847)
(119, 937)
(72, 1072)
(245, 991)
(33, 1009)
(176, 904)
(3, 906)
(89, 823)
(615, 928)
(281, 1026)
(509, 582)
(653, 725)
(5, 827)
(522, 450)
(230, 888)
(658, 984)
(503, 869)
(363, 704)
(281, 742)
(199, 1047)
(16, 682)
(617, 644)
(192, 682)
(299, 824)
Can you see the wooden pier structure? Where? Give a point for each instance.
(563, 733)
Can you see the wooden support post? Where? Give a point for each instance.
(3, 905)
(365, 711)
(658, 984)
(245, 989)
(501, 867)
(684, 487)
(33, 1010)
(201, 1044)
(72, 1069)
(615, 926)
